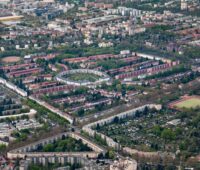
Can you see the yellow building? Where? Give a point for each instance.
(10, 18)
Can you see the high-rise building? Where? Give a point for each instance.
(184, 5)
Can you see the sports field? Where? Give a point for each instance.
(189, 103)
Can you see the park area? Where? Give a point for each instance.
(186, 102)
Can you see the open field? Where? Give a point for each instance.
(12, 59)
(187, 102)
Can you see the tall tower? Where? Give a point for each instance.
(184, 5)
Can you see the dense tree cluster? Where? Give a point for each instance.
(66, 144)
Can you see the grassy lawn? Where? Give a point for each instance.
(190, 103)
(83, 77)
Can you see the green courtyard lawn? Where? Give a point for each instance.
(66, 144)
(83, 77)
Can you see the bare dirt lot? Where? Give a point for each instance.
(11, 59)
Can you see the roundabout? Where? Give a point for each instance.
(82, 77)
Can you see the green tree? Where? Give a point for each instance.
(81, 112)
(157, 130)
(168, 134)
(48, 148)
